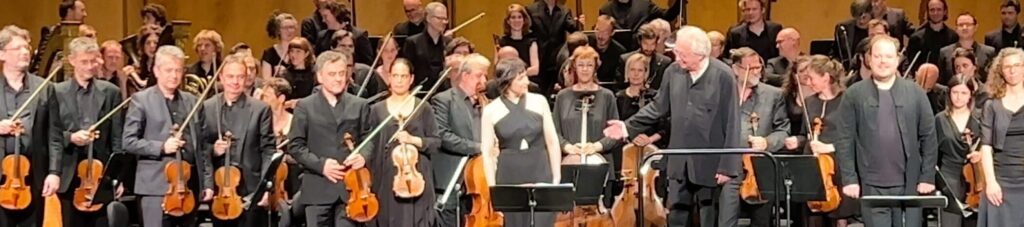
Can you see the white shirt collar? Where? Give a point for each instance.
(701, 69)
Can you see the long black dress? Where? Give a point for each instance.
(395, 211)
(816, 107)
(524, 156)
(953, 152)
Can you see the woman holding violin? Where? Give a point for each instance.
(520, 124)
(1002, 142)
(402, 177)
(958, 131)
(823, 75)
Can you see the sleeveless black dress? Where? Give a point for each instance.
(524, 156)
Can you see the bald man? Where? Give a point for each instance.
(927, 77)
(414, 13)
(788, 42)
(506, 52)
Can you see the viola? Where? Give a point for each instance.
(89, 172)
(178, 200)
(227, 205)
(748, 189)
(408, 182)
(15, 193)
(973, 174)
(828, 170)
(362, 203)
(278, 194)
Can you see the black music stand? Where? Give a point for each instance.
(822, 46)
(532, 198)
(588, 182)
(251, 201)
(957, 205)
(799, 184)
(904, 201)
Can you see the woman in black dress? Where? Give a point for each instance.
(517, 35)
(795, 87)
(954, 150)
(298, 68)
(823, 75)
(569, 105)
(141, 71)
(284, 28)
(518, 130)
(419, 132)
(1002, 143)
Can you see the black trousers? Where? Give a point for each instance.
(153, 213)
(327, 215)
(685, 198)
(888, 217)
(74, 217)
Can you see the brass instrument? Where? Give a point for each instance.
(51, 47)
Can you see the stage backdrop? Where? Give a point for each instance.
(244, 20)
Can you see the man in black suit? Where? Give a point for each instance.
(777, 68)
(850, 32)
(312, 25)
(551, 21)
(701, 101)
(414, 13)
(887, 145)
(147, 134)
(899, 26)
(426, 50)
(609, 52)
(929, 39)
(252, 140)
(966, 25)
(457, 112)
(81, 101)
(319, 125)
(755, 32)
(648, 39)
(630, 14)
(69, 10)
(1008, 35)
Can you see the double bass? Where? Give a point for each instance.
(90, 170)
(15, 193)
(973, 173)
(828, 170)
(362, 203)
(625, 207)
(482, 213)
(408, 182)
(227, 205)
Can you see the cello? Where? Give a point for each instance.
(362, 203)
(15, 193)
(482, 213)
(625, 206)
(227, 205)
(594, 215)
(973, 173)
(586, 102)
(828, 170)
(748, 189)
(179, 200)
(90, 170)
(408, 182)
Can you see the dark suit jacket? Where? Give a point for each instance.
(550, 30)
(317, 136)
(311, 27)
(899, 24)
(459, 130)
(859, 111)
(773, 120)
(147, 126)
(360, 38)
(655, 69)
(995, 38)
(106, 96)
(427, 57)
(983, 55)
(703, 115)
(33, 142)
(740, 36)
(252, 147)
(776, 70)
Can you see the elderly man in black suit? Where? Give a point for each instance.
(966, 25)
(147, 134)
(1008, 35)
(888, 146)
(701, 99)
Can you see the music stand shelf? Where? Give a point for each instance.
(532, 198)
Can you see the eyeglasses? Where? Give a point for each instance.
(440, 18)
(1017, 66)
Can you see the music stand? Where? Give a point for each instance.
(266, 182)
(822, 46)
(532, 198)
(800, 185)
(904, 201)
(958, 205)
(587, 181)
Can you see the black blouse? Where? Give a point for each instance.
(953, 149)
(301, 80)
(521, 45)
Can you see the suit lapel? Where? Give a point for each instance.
(98, 101)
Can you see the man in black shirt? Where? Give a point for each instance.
(414, 12)
(851, 31)
(755, 32)
(426, 50)
(776, 69)
(630, 14)
(886, 144)
(551, 22)
(609, 51)
(1008, 35)
(930, 38)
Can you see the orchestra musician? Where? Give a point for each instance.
(888, 123)
(142, 71)
(1001, 130)
(209, 46)
(68, 10)
(755, 32)
(112, 69)
(647, 39)
(273, 93)
(298, 68)
(283, 27)
(17, 85)
(1009, 32)
(951, 125)
(82, 102)
(551, 20)
(566, 112)
(517, 35)
(457, 114)
(964, 62)
(700, 97)
(319, 123)
(426, 50)
(966, 25)
(249, 122)
(337, 16)
(415, 17)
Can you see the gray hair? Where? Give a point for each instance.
(169, 52)
(11, 31)
(81, 45)
(697, 39)
(329, 57)
(470, 63)
(506, 71)
(433, 6)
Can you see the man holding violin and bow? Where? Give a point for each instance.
(242, 138)
(82, 136)
(161, 131)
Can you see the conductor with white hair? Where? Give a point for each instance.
(699, 94)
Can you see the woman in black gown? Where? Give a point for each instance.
(954, 150)
(517, 35)
(1002, 143)
(520, 124)
(824, 77)
(421, 132)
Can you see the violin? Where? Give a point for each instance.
(586, 103)
(278, 192)
(178, 200)
(748, 189)
(828, 170)
(15, 193)
(227, 205)
(482, 213)
(973, 174)
(362, 203)
(89, 172)
(408, 182)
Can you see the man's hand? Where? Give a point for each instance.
(119, 191)
(172, 145)
(853, 191)
(641, 140)
(615, 129)
(207, 194)
(721, 179)
(265, 201)
(333, 171)
(6, 127)
(81, 138)
(220, 147)
(355, 161)
(51, 185)
(792, 143)
(757, 142)
(925, 188)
